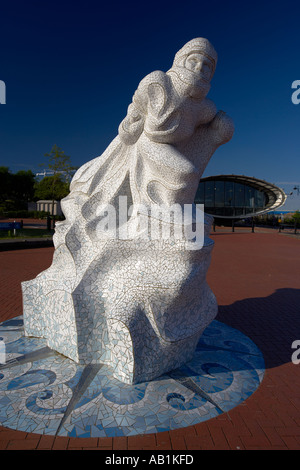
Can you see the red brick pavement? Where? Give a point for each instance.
(255, 277)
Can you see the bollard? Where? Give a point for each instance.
(48, 223)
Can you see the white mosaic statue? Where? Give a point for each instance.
(118, 292)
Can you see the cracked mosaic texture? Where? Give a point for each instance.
(44, 392)
(120, 300)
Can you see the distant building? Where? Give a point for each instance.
(46, 206)
(238, 197)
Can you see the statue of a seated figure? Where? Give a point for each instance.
(136, 303)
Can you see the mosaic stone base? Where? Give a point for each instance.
(43, 392)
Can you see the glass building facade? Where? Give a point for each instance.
(237, 196)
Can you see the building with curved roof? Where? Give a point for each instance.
(238, 196)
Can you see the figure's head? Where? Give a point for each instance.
(195, 64)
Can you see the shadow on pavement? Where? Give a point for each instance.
(272, 323)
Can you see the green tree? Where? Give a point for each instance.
(59, 164)
(5, 184)
(15, 189)
(51, 187)
(296, 218)
(24, 182)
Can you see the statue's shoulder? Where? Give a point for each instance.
(154, 89)
(153, 79)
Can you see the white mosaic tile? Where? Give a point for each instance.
(46, 393)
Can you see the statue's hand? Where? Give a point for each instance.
(207, 112)
(223, 127)
(131, 127)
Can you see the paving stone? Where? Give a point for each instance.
(262, 303)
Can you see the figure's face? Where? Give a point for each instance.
(200, 65)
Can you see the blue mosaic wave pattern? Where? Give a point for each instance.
(43, 392)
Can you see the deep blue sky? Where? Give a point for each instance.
(71, 68)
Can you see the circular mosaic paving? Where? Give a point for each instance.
(43, 392)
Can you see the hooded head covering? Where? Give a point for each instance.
(197, 45)
(188, 81)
